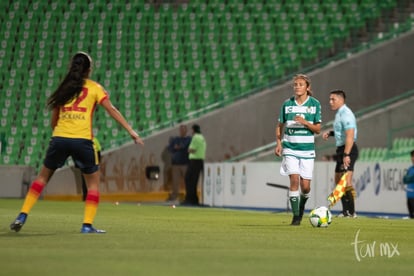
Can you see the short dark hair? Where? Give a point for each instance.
(339, 92)
(196, 128)
(412, 153)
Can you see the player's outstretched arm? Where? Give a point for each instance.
(114, 112)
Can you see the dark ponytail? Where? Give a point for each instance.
(72, 84)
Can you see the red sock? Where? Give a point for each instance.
(91, 206)
(32, 196)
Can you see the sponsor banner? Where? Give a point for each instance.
(379, 186)
(208, 184)
(218, 185)
(213, 193)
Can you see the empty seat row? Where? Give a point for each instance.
(160, 63)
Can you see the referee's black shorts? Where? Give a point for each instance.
(82, 152)
(353, 155)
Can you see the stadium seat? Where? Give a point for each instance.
(227, 49)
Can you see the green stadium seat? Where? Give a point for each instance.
(411, 143)
(370, 9)
(363, 154)
(166, 50)
(353, 15)
(387, 4)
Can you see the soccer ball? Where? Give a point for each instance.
(320, 217)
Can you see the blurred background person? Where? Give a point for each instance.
(197, 154)
(409, 181)
(178, 148)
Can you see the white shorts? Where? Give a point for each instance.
(293, 165)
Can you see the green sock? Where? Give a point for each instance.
(294, 202)
(302, 202)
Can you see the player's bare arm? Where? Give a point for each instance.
(326, 135)
(349, 142)
(279, 131)
(114, 112)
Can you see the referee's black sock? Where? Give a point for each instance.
(349, 192)
(345, 204)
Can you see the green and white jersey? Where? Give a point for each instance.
(297, 139)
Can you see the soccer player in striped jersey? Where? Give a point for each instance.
(73, 105)
(299, 119)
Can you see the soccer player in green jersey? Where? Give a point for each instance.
(299, 119)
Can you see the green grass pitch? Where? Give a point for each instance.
(159, 240)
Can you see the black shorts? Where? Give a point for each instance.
(353, 155)
(82, 152)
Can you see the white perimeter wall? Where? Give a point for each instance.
(379, 186)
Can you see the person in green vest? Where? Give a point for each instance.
(197, 154)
